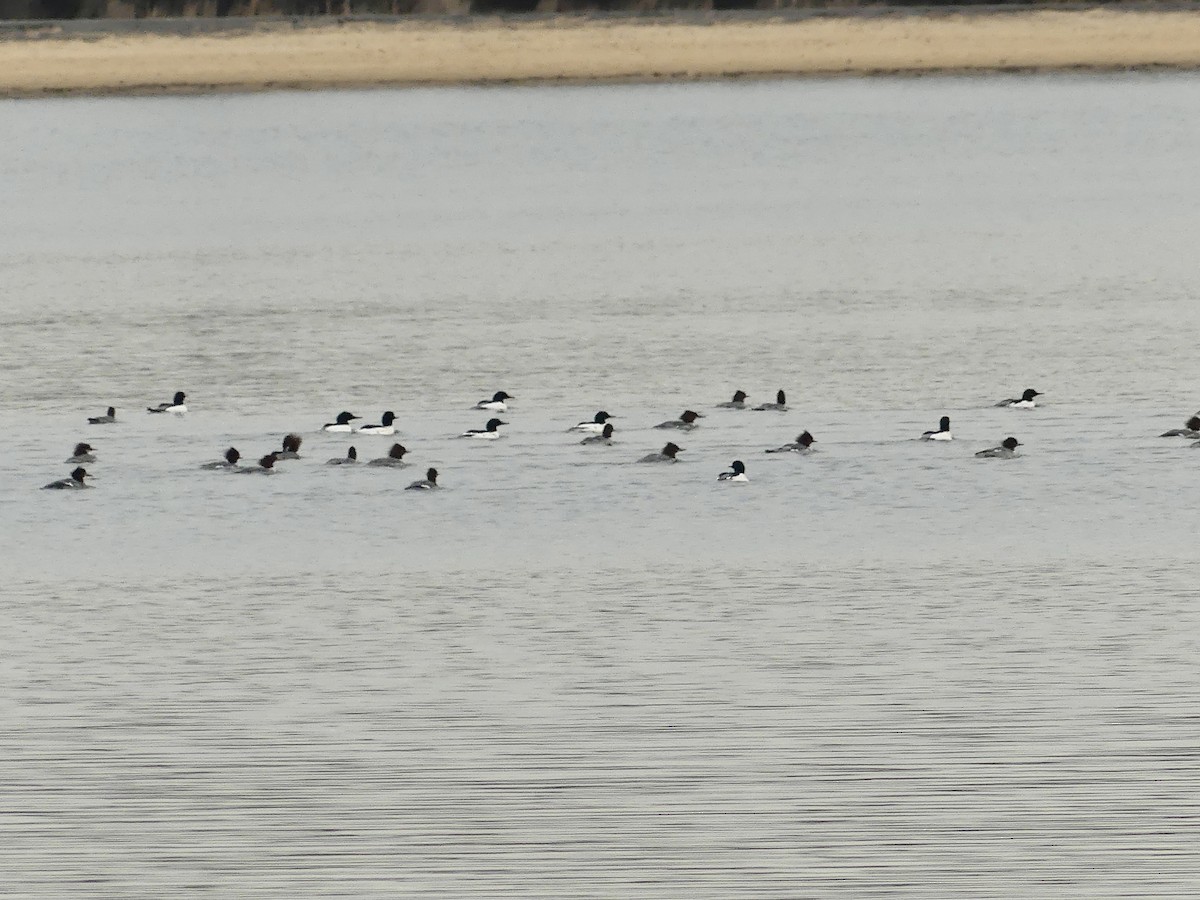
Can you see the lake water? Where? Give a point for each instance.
(887, 669)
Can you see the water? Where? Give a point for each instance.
(885, 670)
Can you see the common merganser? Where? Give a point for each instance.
(175, 406)
(291, 447)
(738, 472)
(779, 405)
(82, 454)
(229, 462)
(395, 457)
(604, 437)
(1192, 429)
(106, 419)
(385, 428)
(595, 426)
(75, 482)
(428, 483)
(942, 433)
(266, 466)
(349, 459)
(738, 401)
(802, 444)
(496, 404)
(342, 425)
(685, 422)
(1006, 450)
(490, 433)
(1025, 401)
(667, 454)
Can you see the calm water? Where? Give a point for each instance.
(885, 670)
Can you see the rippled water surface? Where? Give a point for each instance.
(887, 669)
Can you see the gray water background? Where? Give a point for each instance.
(885, 670)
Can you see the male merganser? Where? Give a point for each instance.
(291, 447)
(595, 426)
(175, 406)
(803, 443)
(385, 428)
(667, 454)
(780, 403)
(106, 419)
(82, 454)
(428, 483)
(1191, 431)
(942, 433)
(266, 466)
(349, 459)
(1006, 450)
(229, 462)
(604, 437)
(496, 404)
(738, 401)
(342, 425)
(485, 434)
(1026, 400)
(395, 457)
(685, 422)
(738, 473)
(68, 484)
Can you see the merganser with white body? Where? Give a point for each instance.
(82, 454)
(229, 462)
(942, 433)
(737, 473)
(349, 459)
(780, 404)
(1191, 429)
(595, 426)
(738, 401)
(384, 428)
(666, 455)
(490, 433)
(685, 422)
(175, 406)
(496, 404)
(1006, 450)
(803, 444)
(342, 425)
(107, 419)
(1025, 401)
(395, 457)
(74, 483)
(266, 466)
(428, 483)
(604, 437)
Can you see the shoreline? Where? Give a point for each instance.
(117, 59)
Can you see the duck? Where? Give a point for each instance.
(349, 459)
(1006, 450)
(291, 447)
(780, 404)
(738, 401)
(229, 462)
(384, 428)
(942, 433)
(496, 404)
(107, 419)
(395, 457)
(175, 406)
(83, 454)
(342, 424)
(266, 466)
(595, 426)
(737, 472)
(428, 483)
(1025, 401)
(490, 433)
(1191, 429)
(686, 422)
(75, 482)
(666, 455)
(803, 444)
(604, 437)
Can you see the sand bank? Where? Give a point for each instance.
(573, 49)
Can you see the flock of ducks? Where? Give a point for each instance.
(598, 431)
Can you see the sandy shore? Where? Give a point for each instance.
(571, 49)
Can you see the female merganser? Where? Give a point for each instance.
(496, 404)
(942, 433)
(229, 462)
(69, 484)
(349, 459)
(1026, 400)
(291, 447)
(604, 437)
(83, 454)
(685, 422)
(738, 401)
(780, 403)
(595, 426)
(395, 457)
(1192, 429)
(266, 466)
(738, 473)
(428, 483)
(1006, 450)
(485, 434)
(106, 419)
(342, 425)
(802, 444)
(666, 455)
(175, 406)
(385, 428)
